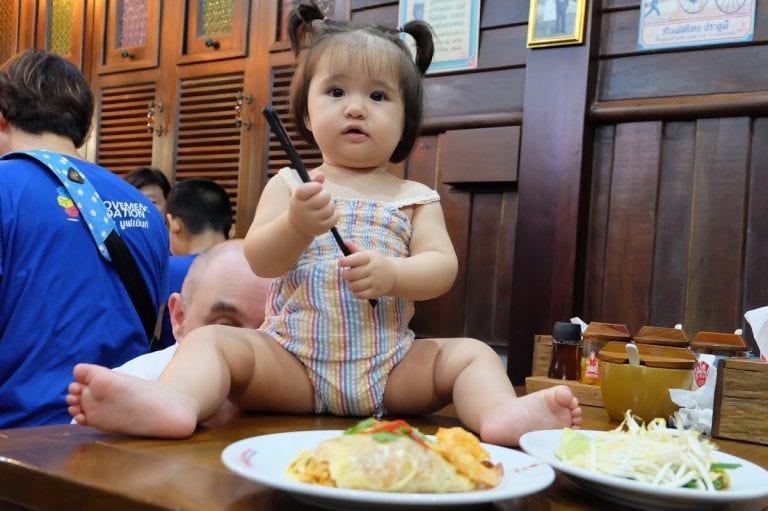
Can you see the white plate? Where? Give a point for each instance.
(265, 458)
(748, 482)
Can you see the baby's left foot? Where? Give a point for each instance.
(552, 408)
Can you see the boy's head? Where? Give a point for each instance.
(43, 93)
(198, 207)
(378, 49)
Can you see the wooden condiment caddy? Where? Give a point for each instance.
(741, 400)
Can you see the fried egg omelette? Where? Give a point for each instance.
(393, 456)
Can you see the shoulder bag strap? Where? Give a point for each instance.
(102, 228)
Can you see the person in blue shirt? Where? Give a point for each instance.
(199, 215)
(60, 300)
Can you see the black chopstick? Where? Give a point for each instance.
(282, 136)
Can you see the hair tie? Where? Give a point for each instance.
(400, 29)
(325, 19)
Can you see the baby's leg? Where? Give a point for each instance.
(121, 403)
(212, 362)
(471, 374)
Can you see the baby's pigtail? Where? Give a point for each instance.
(300, 23)
(425, 44)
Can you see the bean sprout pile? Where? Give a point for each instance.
(652, 453)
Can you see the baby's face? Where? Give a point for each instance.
(356, 118)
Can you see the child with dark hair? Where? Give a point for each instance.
(152, 183)
(199, 214)
(61, 301)
(357, 94)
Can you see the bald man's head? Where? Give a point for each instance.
(219, 288)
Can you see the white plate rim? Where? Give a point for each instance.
(542, 445)
(518, 467)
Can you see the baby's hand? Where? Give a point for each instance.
(368, 274)
(311, 210)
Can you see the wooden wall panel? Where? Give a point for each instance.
(481, 295)
(505, 255)
(682, 217)
(480, 155)
(673, 217)
(443, 316)
(503, 12)
(728, 69)
(619, 33)
(714, 284)
(756, 247)
(552, 153)
(594, 264)
(475, 93)
(502, 47)
(631, 225)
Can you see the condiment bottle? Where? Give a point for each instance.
(566, 351)
(593, 339)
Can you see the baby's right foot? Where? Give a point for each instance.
(120, 403)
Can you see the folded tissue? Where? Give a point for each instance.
(758, 321)
(696, 406)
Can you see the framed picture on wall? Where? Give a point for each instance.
(456, 24)
(556, 22)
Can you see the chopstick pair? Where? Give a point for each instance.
(282, 136)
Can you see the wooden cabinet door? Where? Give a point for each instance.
(10, 17)
(214, 30)
(126, 133)
(61, 28)
(129, 32)
(210, 137)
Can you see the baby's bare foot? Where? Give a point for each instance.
(120, 403)
(552, 408)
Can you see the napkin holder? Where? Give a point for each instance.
(741, 400)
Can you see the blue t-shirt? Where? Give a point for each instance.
(61, 302)
(178, 266)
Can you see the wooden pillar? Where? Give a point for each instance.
(552, 155)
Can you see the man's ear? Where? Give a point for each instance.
(3, 122)
(176, 313)
(175, 226)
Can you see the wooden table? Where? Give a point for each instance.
(73, 467)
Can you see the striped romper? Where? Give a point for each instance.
(347, 346)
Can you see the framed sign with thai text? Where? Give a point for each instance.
(676, 23)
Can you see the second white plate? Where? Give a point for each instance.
(748, 482)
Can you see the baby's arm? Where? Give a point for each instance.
(285, 224)
(427, 273)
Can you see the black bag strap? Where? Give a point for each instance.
(125, 266)
(112, 247)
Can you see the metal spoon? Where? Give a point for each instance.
(632, 354)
